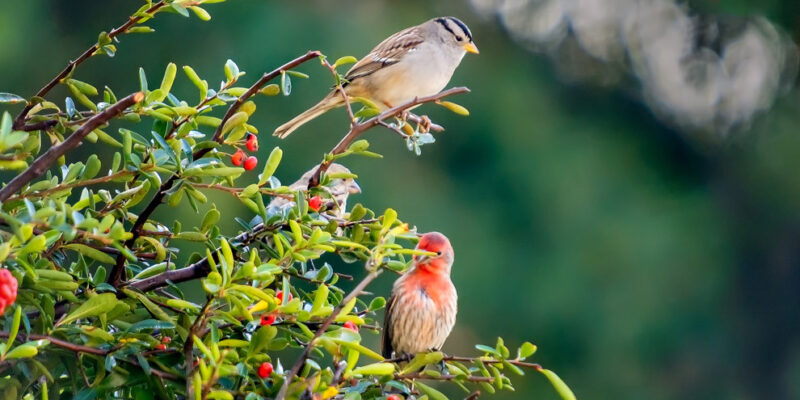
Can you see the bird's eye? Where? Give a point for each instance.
(438, 253)
(458, 38)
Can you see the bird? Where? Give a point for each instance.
(415, 62)
(339, 188)
(422, 308)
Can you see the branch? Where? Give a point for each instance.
(64, 344)
(471, 378)
(474, 395)
(53, 153)
(358, 129)
(19, 121)
(325, 324)
(115, 277)
(474, 359)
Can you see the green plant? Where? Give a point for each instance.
(98, 311)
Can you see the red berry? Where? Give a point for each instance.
(393, 397)
(161, 346)
(238, 157)
(8, 289)
(279, 295)
(252, 142)
(265, 370)
(250, 163)
(315, 203)
(268, 319)
(350, 325)
(166, 339)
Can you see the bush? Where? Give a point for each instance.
(99, 312)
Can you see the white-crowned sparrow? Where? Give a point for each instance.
(414, 62)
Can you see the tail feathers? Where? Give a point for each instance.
(330, 101)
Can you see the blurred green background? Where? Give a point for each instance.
(647, 258)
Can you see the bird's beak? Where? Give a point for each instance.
(470, 47)
(353, 188)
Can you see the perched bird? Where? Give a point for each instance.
(415, 62)
(339, 188)
(422, 308)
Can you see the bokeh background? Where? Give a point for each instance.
(625, 192)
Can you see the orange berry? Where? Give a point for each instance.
(161, 346)
(250, 163)
(393, 397)
(238, 157)
(350, 325)
(267, 319)
(315, 203)
(252, 142)
(8, 289)
(279, 295)
(166, 339)
(265, 370)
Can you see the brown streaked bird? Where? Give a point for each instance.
(415, 62)
(422, 309)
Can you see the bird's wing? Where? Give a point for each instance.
(388, 52)
(386, 348)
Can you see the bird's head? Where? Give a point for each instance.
(455, 34)
(435, 242)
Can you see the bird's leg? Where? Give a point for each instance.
(424, 124)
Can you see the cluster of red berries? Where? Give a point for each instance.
(265, 370)
(240, 158)
(164, 342)
(8, 289)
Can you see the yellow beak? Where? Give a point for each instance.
(470, 47)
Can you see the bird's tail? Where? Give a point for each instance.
(330, 101)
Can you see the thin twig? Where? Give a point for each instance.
(41, 164)
(474, 395)
(64, 344)
(88, 182)
(115, 277)
(323, 327)
(471, 378)
(358, 129)
(19, 121)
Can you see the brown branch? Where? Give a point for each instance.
(62, 187)
(323, 327)
(474, 395)
(358, 129)
(63, 344)
(474, 359)
(471, 378)
(19, 121)
(115, 277)
(41, 164)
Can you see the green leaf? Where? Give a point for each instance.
(526, 350)
(344, 60)
(380, 369)
(231, 71)
(142, 80)
(169, 78)
(271, 165)
(12, 334)
(563, 390)
(90, 252)
(26, 350)
(10, 98)
(377, 303)
(180, 9)
(150, 324)
(201, 13)
(270, 90)
(95, 305)
(432, 393)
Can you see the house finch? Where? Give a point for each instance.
(339, 188)
(423, 305)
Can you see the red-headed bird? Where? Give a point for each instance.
(422, 308)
